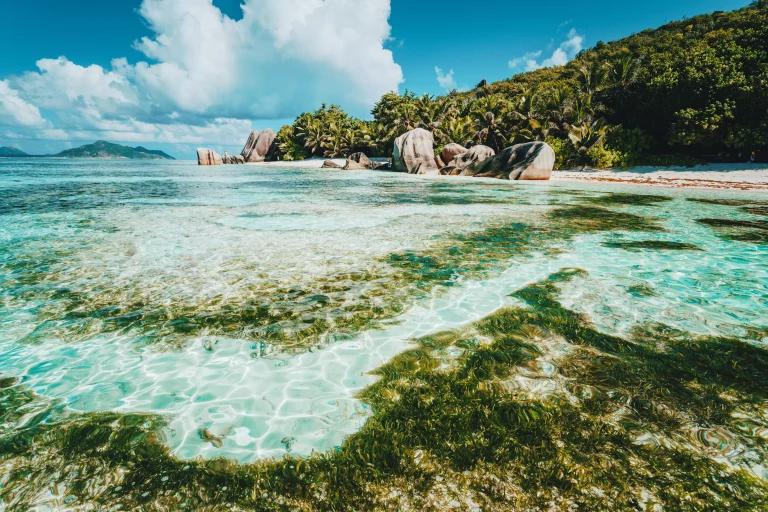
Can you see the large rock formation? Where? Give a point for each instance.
(529, 161)
(250, 145)
(415, 153)
(208, 157)
(451, 151)
(358, 162)
(330, 164)
(233, 159)
(470, 162)
(259, 146)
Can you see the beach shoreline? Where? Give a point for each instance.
(749, 177)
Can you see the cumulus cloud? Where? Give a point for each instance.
(524, 61)
(446, 81)
(564, 53)
(15, 111)
(208, 75)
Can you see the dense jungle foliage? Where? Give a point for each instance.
(690, 91)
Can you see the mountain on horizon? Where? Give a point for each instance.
(10, 151)
(104, 149)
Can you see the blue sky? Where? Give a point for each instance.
(205, 74)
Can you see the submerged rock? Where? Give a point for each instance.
(259, 146)
(469, 162)
(529, 161)
(208, 157)
(415, 153)
(451, 151)
(358, 162)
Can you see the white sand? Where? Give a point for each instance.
(737, 176)
(730, 176)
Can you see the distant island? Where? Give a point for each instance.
(99, 149)
(9, 151)
(104, 149)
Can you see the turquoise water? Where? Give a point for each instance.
(249, 305)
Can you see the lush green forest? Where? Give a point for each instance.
(690, 91)
(103, 149)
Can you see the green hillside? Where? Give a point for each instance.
(9, 151)
(103, 149)
(693, 90)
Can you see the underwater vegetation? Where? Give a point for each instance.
(755, 231)
(739, 229)
(657, 245)
(625, 199)
(530, 408)
(293, 316)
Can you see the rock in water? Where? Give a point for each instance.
(470, 162)
(259, 146)
(208, 157)
(330, 164)
(233, 160)
(415, 153)
(250, 146)
(529, 161)
(358, 162)
(451, 151)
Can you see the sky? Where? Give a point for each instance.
(180, 74)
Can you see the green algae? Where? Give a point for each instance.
(586, 219)
(756, 210)
(747, 206)
(755, 231)
(654, 245)
(530, 408)
(293, 317)
(641, 290)
(721, 202)
(625, 199)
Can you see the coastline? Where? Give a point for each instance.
(710, 176)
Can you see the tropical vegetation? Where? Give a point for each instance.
(689, 91)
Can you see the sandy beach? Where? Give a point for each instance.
(717, 176)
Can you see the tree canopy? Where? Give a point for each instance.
(690, 90)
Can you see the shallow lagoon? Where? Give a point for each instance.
(242, 312)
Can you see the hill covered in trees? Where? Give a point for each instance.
(103, 149)
(689, 91)
(11, 151)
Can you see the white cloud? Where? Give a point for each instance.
(446, 81)
(207, 76)
(564, 53)
(15, 111)
(525, 59)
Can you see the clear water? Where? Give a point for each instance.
(249, 305)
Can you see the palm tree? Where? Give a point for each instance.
(489, 132)
(592, 77)
(456, 129)
(428, 112)
(581, 110)
(557, 105)
(406, 117)
(312, 133)
(528, 118)
(624, 72)
(588, 134)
